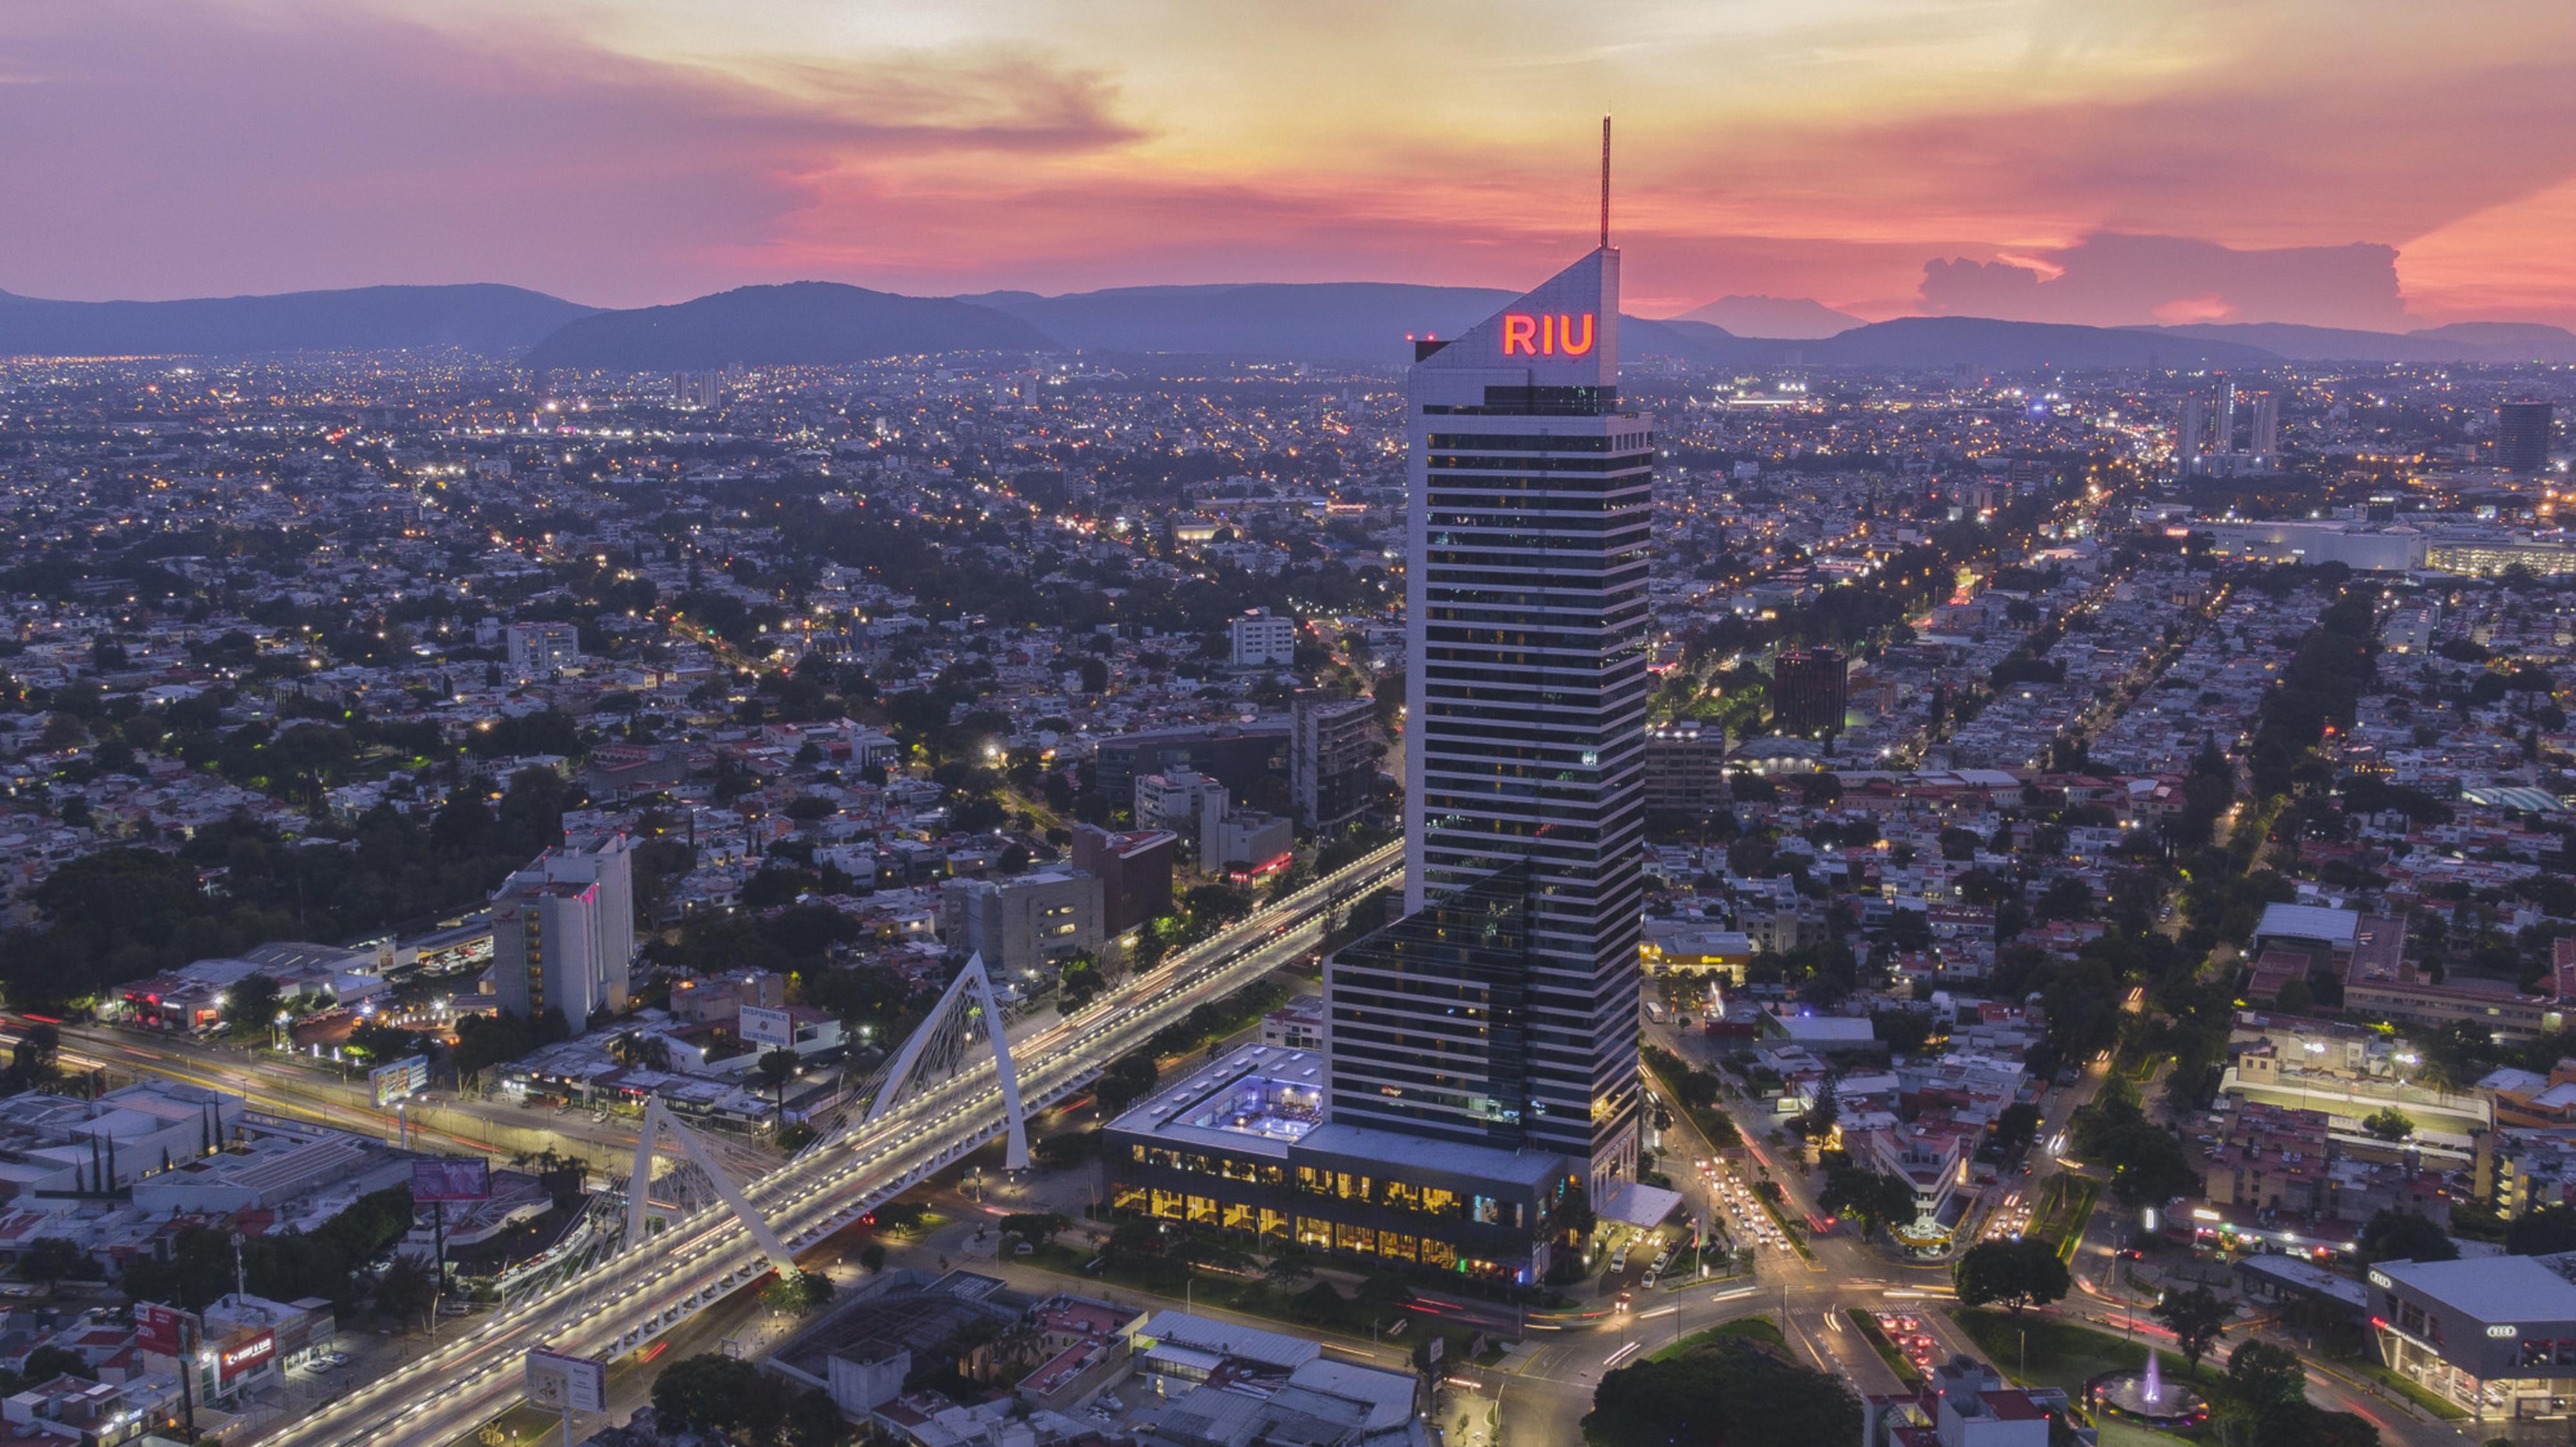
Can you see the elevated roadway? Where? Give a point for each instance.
(634, 1298)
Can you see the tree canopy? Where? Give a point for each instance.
(1734, 1392)
(2013, 1273)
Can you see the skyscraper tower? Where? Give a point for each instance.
(2223, 418)
(2267, 428)
(2187, 437)
(1503, 1010)
(2522, 436)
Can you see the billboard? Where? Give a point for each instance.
(762, 1025)
(400, 1080)
(158, 1328)
(451, 1178)
(245, 1353)
(557, 1382)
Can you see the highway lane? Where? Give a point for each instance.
(635, 1297)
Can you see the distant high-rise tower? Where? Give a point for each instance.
(2222, 416)
(1502, 1010)
(2267, 427)
(2522, 436)
(2187, 436)
(1810, 691)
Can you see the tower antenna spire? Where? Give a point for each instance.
(1605, 181)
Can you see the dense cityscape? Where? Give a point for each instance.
(981, 725)
(2084, 854)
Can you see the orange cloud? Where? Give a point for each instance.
(624, 151)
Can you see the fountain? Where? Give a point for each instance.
(2144, 1397)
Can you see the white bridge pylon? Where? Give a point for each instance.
(639, 1190)
(940, 1045)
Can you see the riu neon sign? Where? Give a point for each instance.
(1547, 334)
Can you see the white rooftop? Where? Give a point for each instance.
(2309, 922)
(2495, 1288)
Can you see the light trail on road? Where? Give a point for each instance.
(638, 1295)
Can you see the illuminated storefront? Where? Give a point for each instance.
(2495, 1334)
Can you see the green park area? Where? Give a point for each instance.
(1751, 1328)
(2065, 1206)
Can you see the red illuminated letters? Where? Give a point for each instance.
(1548, 334)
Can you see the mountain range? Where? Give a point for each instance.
(486, 318)
(1786, 318)
(1365, 323)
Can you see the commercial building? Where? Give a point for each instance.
(2494, 1334)
(1175, 799)
(1264, 641)
(1332, 757)
(539, 649)
(2323, 934)
(2368, 549)
(1238, 1386)
(2522, 436)
(1240, 1147)
(1686, 766)
(2485, 557)
(1810, 691)
(1019, 922)
(1964, 1404)
(1242, 842)
(2503, 1014)
(1235, 755)
(1135, 872)
(1526, 633)
(563, 931)
(1696, 947)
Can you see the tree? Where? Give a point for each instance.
(2018, 1125)
(48, 1362)
(2543, 1231)
(250, 1006)
(710, 1391)
(2150, 1166)
(872, 1258)
(1035, 1227)
(35, 1057)
(2066, 898)
(2266, 1376)
(2195, 1317)
(1876, 1198)
(1288, 1268)
(405, 1290)
(2392, 1235)
(1318, 1303)
(797, 1293)
(50, 1259)
(1818, 1120)
(2012, 1273)
(1735, 1393)
(813, 1420)
(2389, 1124)
(777, 1067)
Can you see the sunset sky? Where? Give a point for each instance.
(2352, 162)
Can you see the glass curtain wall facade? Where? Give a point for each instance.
(1526, 696)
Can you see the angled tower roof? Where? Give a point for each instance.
(1563, 333)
